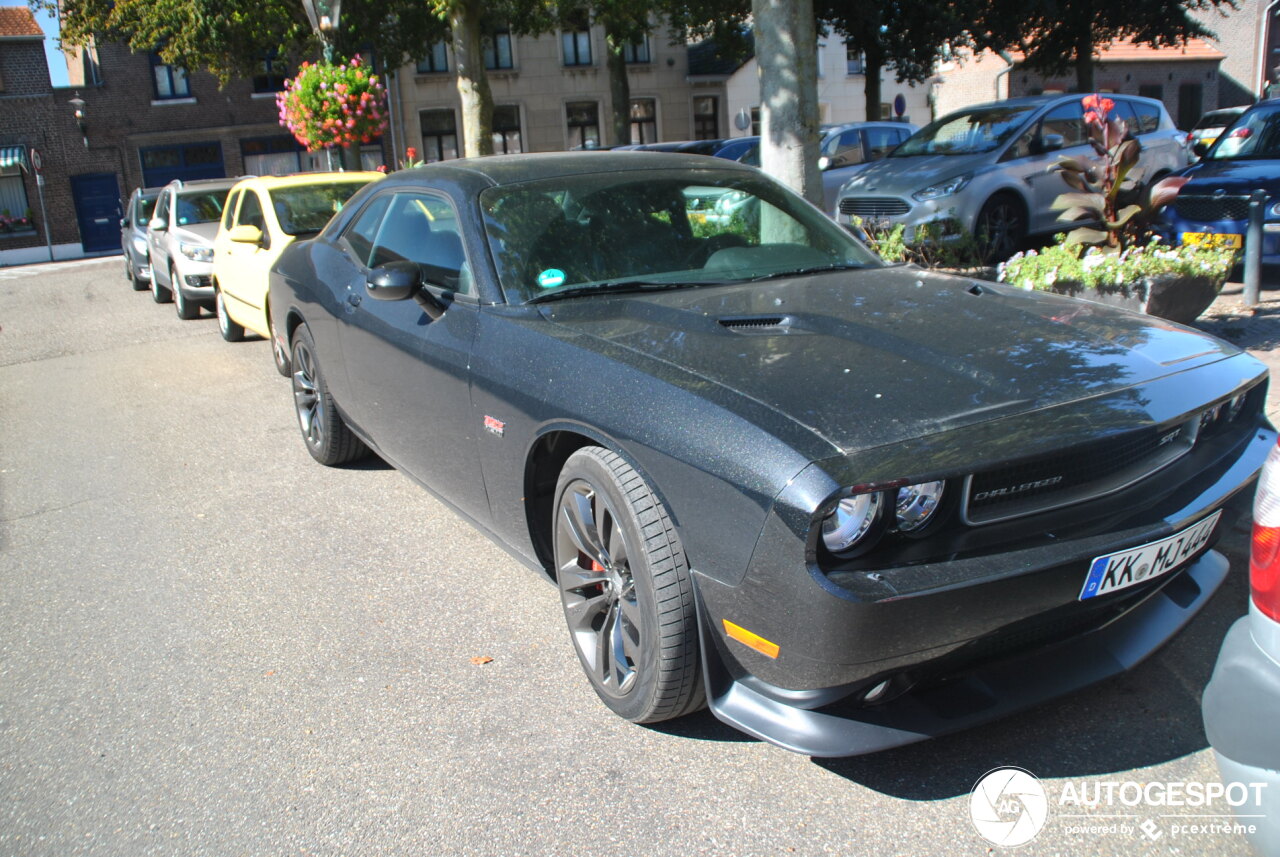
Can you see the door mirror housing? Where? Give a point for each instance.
(1199, 147)
(1047, 143)
(394, 281)
(157, 224)
(824, 163)
(245, 234)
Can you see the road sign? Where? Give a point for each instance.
(37, 163)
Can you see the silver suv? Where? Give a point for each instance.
(984, 170)
(180, 239)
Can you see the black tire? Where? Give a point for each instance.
(187, 310)
(625, 588)
(159, 293)
(1001, 227)
(279, 351)
(227, 326)
(327, 437)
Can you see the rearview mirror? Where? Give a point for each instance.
(157, 224)
(245, 234)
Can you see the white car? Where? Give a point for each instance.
(180, 240)
(985, 171)
(1241, 705)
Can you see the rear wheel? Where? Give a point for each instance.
(227, 326)
(1001, 227)
(187, 310)
(625, 587)
(327, 437)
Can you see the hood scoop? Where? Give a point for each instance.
(757, 324)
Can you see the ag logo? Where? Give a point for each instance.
(1008, 807)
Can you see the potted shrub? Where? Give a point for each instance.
(1116, 258)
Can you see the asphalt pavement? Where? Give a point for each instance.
(211, 645)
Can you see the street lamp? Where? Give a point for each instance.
(78, 105)
(323, 15)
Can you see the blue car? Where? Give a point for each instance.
(1213, 207)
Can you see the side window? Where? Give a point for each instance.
(360, 234)
(424, 229)
(847, 149)
(1066, 120)
(1124, 112)
(228, 213)
(1148, 117)
(162, 210)
(251, 211)
(882, 141)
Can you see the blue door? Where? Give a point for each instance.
(97, 201)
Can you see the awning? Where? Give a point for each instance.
(13, 156)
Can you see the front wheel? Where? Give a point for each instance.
(625, 587)
(1001, 227)
(159, 293)
(227, 326)
(186, 309)
(327, 437)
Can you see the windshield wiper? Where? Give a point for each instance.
(814, 269)
(615, 287)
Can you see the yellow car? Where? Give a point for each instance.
(262, 217)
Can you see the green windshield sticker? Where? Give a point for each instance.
(551, 278)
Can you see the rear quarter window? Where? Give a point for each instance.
(1148, 116)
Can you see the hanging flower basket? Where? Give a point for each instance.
(333, 105)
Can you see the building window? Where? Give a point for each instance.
(506, 129)
(854, 62)
(497, 49)
(1152, 90)
(169, 81)
(13, 201)
(439, 135)
(756, 123)
(706, 117)
(271, 74)
(644, 120)
(637, 52)
(576, 42)
(436, 60)
(271, 156)
(583, 121)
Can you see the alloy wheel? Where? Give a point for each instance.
(306, 395)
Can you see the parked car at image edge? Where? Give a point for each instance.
(1213, 206)
(847, 505)
(1211, 125)
(263, 215)
(180, 242)
(984, 170)
(1242, 702)
(133, 236)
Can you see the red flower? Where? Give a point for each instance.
(411, 154)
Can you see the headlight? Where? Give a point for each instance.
(946, 188)
(196, 252)
(1275, 210)
(850, 522)
(140, 246)
(1235, 406)
(916, 505)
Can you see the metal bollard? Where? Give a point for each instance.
(1253, 248)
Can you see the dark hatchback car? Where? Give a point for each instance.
(1213, 206)
(849, 505)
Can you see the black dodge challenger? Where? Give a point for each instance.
(848, 505)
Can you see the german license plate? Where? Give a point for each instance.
(1213, 239)
(1116, 571)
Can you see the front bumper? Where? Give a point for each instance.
(195, 279)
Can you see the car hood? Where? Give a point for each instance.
(876, 356)
(904, 176)
(196, 233)
(1232, 177)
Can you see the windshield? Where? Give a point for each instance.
(200, 207)
(968, 132)
(306, 209)
(656, 229)
(145, 205)
(1254, 136)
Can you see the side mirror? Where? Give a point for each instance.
(824, 163)
(1047, 143)
(394, 281)
(157, 224)
(245, 234)
(1199, 147)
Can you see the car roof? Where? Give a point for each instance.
(515, 169)
(304, 179)
(202, 184)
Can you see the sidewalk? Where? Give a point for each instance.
(1259, 332)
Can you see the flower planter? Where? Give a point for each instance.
(1175, 297)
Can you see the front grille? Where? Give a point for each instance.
(873, 206)
(1209, 208)
(1072, 475)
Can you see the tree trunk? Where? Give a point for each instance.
(619, 91)
(473, 83)
(872, 69)
(1084, 59)
(787, 54)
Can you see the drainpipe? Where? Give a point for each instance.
(393, 117)
(1004, 55)
(1261, 54)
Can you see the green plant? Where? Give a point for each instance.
(1108, 192)
(1068, 265)
(938, 244)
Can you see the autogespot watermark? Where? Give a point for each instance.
(1010, 806)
